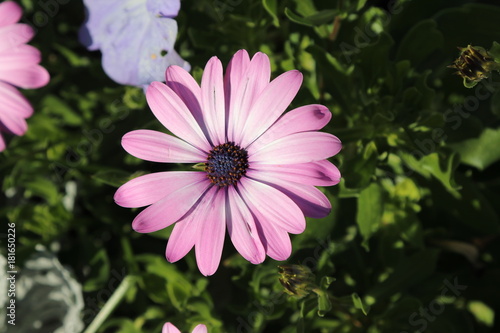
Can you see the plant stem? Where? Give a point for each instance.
(111, 304)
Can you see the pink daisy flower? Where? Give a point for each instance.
(18, 68)
(260, 167)
(169, 328)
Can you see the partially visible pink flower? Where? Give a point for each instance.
(18, 68)
(169, 328)
(260, 167)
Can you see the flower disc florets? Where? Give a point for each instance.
(226, 164)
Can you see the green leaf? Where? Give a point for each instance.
(481, 152)
(326, 281)
(321, 17)
(55, 106)
(335, 75)
(99, 271)
(407, 189)
(164, 283)
(296, 18)
(360, 168)
(204, 308)
(324, 303)
(122, 325)
(434, 165)
(45, 221)
(495, 104)
(178, 294)
(494, 51)
(420, 42)
(411, 96)
(44, 188)
(271, 6)
(156, 288)
(483, 313)
(154, 313)
(72, 57)
(360, 4)
(411, 230)
(358, 303)
(305, 7)
(369, 213)
(308, 305)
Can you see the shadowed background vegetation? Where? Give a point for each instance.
(411, 244)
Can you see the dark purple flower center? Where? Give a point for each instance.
(226, 164)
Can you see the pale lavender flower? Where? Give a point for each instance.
(136, 38)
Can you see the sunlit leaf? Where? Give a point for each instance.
(481, 152)
(369, 213)
(271, 7)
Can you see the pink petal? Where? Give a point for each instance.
(171, 111)
(185, 86)
(20, 57)
(212, 101)
(276, 241)
(242, 229)
(169, 328)
(200, 329)
(13, 101)
(234, 75)
(2, 142)
(305, 118)
(170, 209)
(319, 173)
(264, 200)
(30, 77)
(160, 147)
(148, 189)
(185, 232)
(273, 101)
(301, 147)
(311, 201)
(15, 124)
(210, 240)
(13, 35)
(253, 82)
(10, 13)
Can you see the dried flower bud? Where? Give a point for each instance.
(473, 64)
(298, 280)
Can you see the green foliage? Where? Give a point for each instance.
(481, 152)
(370, 209)
(420, 167)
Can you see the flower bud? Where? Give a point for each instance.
(473, 64)
(298, 280)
